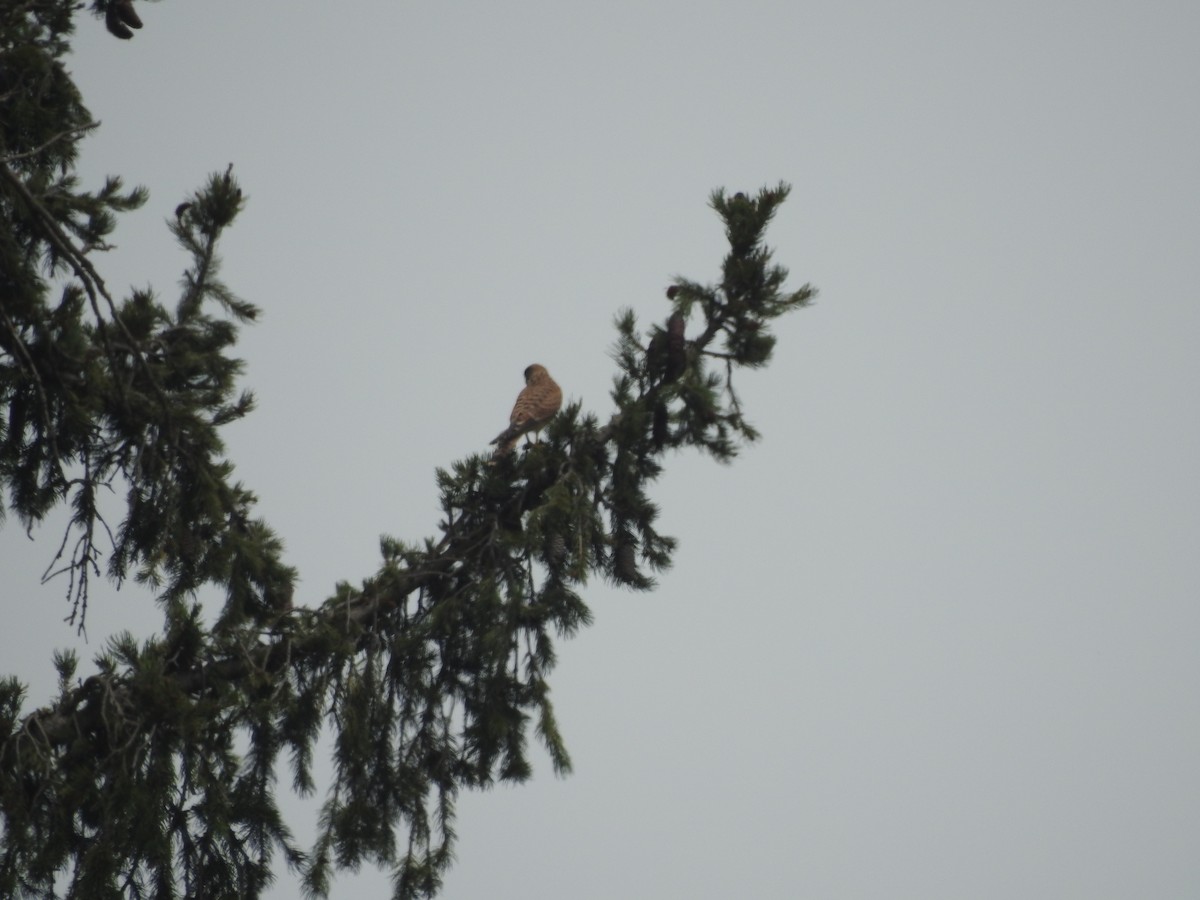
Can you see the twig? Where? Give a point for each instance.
(23, 351)
(38, 149)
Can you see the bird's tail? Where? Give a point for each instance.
(505, 441)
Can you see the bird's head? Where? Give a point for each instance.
(536, 373)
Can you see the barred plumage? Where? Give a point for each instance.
(536, 405)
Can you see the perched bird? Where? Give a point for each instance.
(536, 405)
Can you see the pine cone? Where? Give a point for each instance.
(656, 355)
(676, 349)
(658, 430)
(126, 14)
(116, 27)
(625, 563)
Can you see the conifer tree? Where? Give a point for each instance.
(156, 775)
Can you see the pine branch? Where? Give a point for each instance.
(176, 442)
(31, 367)
(72, 133)
(428, 673)
(92, 283)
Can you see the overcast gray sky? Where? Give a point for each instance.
(936, 635)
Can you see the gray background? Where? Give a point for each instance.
(936, 635)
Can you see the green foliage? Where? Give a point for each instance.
(156, 776)
(99, 395)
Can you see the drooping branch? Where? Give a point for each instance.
(391, 589)
(430, 671)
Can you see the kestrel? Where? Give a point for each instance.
(536, 405)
